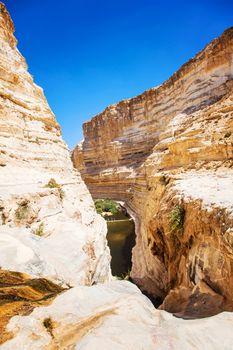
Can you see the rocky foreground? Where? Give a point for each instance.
(56, 288)
(168, 154)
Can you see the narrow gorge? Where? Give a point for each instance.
(168, 156)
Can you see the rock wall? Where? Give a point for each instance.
(168, 154)
(47, 228)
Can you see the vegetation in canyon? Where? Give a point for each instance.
(177, 218)
(107, 207)
(39, 231)
(53, 184)
(22, 212)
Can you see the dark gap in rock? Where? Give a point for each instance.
(121, 240)
(155, 301)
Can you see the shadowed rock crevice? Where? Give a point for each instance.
(121, 239)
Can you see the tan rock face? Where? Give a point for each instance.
(30, 135)
(168, 154)
(19, 295)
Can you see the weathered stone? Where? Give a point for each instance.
(170, 148)
(44, 226)
(114, 316)
(19, 295)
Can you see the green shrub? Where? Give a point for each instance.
(107, 205)
(40, 230)
(125, 276)
(53, 184)
(22, 212)
(177, 218)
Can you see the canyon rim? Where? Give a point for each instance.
(161, 150)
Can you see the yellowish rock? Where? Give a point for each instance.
(168, 148)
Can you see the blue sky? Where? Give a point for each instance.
(87, 54)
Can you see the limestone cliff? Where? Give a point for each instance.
(48, 224)
(168, 154)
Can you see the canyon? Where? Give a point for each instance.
(168, 155)
(56, 286)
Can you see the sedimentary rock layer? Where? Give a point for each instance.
(48, 224)
(19, 295)
(168, 154)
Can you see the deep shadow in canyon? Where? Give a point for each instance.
(121, 240)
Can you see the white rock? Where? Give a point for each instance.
(115, 316)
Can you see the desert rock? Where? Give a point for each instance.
(48, 224)
(168, 154)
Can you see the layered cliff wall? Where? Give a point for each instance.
(168, 154)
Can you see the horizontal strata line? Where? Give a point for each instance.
(39, 183)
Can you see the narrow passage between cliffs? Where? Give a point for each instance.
(121, 239)
(121, 235)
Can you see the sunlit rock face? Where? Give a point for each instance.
(114, 316)
(19, 295)
(47, 228)
(168, 154)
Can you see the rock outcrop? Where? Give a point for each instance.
(19, 295)
(114, 316)
(48, 224)
(51, 237)
(168, 154)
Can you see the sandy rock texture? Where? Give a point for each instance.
(48, 224)
(19, 295)
(114, 316)
(168, 154)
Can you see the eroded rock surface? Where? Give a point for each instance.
(19, 295)
(168, 154)
(114, 316)
(48, 224)
(50, 233)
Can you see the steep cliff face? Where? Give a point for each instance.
(48, 224)
(168, 154)
(47, 227)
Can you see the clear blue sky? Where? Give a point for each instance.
(87, 54)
